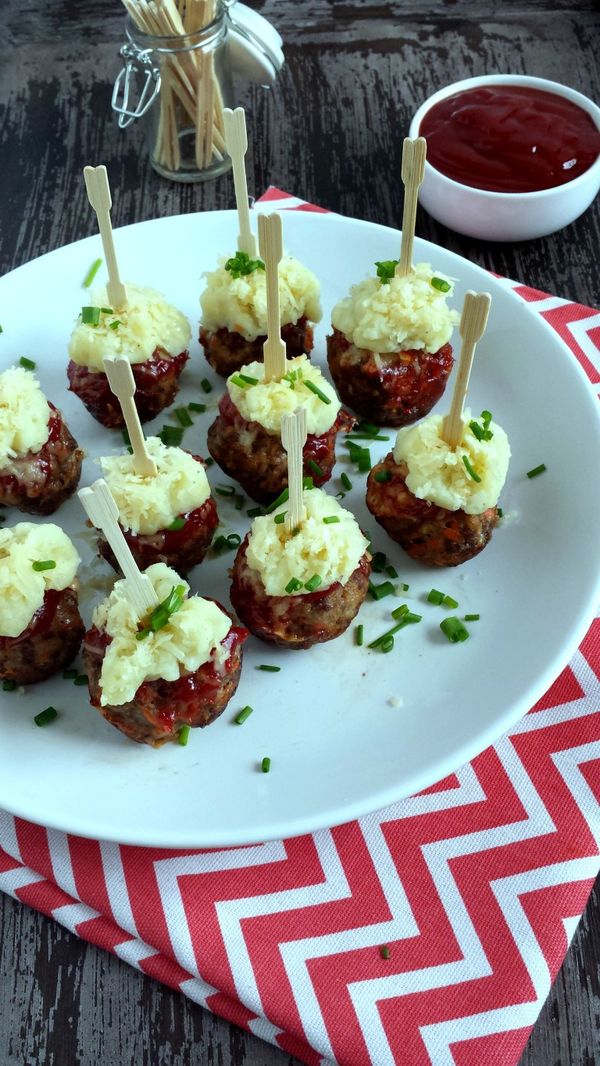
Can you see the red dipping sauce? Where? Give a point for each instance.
(509, 138)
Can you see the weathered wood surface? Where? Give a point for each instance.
(63, 1002)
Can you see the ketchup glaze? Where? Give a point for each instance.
(510, 138)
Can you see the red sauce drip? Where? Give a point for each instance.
(509, 138)
(40, 621)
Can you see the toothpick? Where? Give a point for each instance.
(473, 321)
(98, 191)
(413, 169)
(271, 251)
(120, 378)
(102, 511)
(236, 142)
(293, 438)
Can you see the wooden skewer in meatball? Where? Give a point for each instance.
(40, 461)
(40, 625)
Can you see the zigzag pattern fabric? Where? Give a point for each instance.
(475, 886)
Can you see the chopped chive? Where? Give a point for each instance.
(206, 385)
(269, 669)
(384, 951)
(365, 436)
(367, 427)
(317, 391)
(387, 643)
(237, 379)
(254, 512)
(400, 611)
(441, 284)
(233, 540)
(470, 470)
(200, 408)
(107, 310)
(279, 519)
(182, 416)
(316, 469)
(69, 674)
(345, 480)
(486, 417)
(142, 633)
(405, 619)
(412, 618)
(313, 583)
(241, 717)
(241, 264)
(171, 436)
(379, 591)
(500, 512)
(44, 564)
(378, 562)
(90, 316)
(537, 470)
(364, 461)
(177, 523)
(45, 717)
(115, 324)
(331, 519)
(126, 437)
(91, 274)
(454, 630)
(282, 498)
(435, 596)
(27, 364)
(340, 495)
(404, 587)
(247, 379)
(448, 601)
(383, 475)
(265, 764)
(386, 269)
(307, 484)
(359, 635)
(1, 330)
(209, 461)
(225, 490)
(9, 686)
(472, 617)
(391, 571)
(239, 501)
(184, 735)
(81, 679)
(293, 585)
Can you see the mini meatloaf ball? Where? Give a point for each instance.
(40, 462)
(169, 518)
(40, 625)
(234, 311)
(245, 439)
(177, 667)
(296, 588)
(439, 504)
(389, 354)
(148, 331)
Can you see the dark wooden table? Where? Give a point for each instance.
(331, 131)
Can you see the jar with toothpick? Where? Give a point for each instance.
(179, 49)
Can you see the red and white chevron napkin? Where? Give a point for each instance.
(474, 886)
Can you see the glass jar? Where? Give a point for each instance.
(183, 82)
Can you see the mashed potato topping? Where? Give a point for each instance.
(401, 315)
(240, 304)
(438, 474)
(22, 588)
(191, 637)
(331, 550)
(146, 323)
(24, 415)
(147, 504)
(267, 402)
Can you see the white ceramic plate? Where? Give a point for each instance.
(338, 747)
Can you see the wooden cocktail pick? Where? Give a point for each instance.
(413, 169)
(102, 511)
(293, 439)
(120, 378)
(236, 142)
(473, 321)
(271, 250)
(98, 191)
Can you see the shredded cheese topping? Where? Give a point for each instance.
(267, 402)
(240, 304)
(438, 474)
(22, 588)
(405, 314)
(331, 550)
(145, 323)
(191, 637)
(24, 415)
(147, 504)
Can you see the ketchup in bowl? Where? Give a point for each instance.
(509, 138)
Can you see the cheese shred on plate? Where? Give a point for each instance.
(24, 415)
(439, 474)
(404, 314)
(266, 402)
(332, 550)
(240, 304)
(191, 637)
(147, 504)
(22, 588)
(145, 323)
